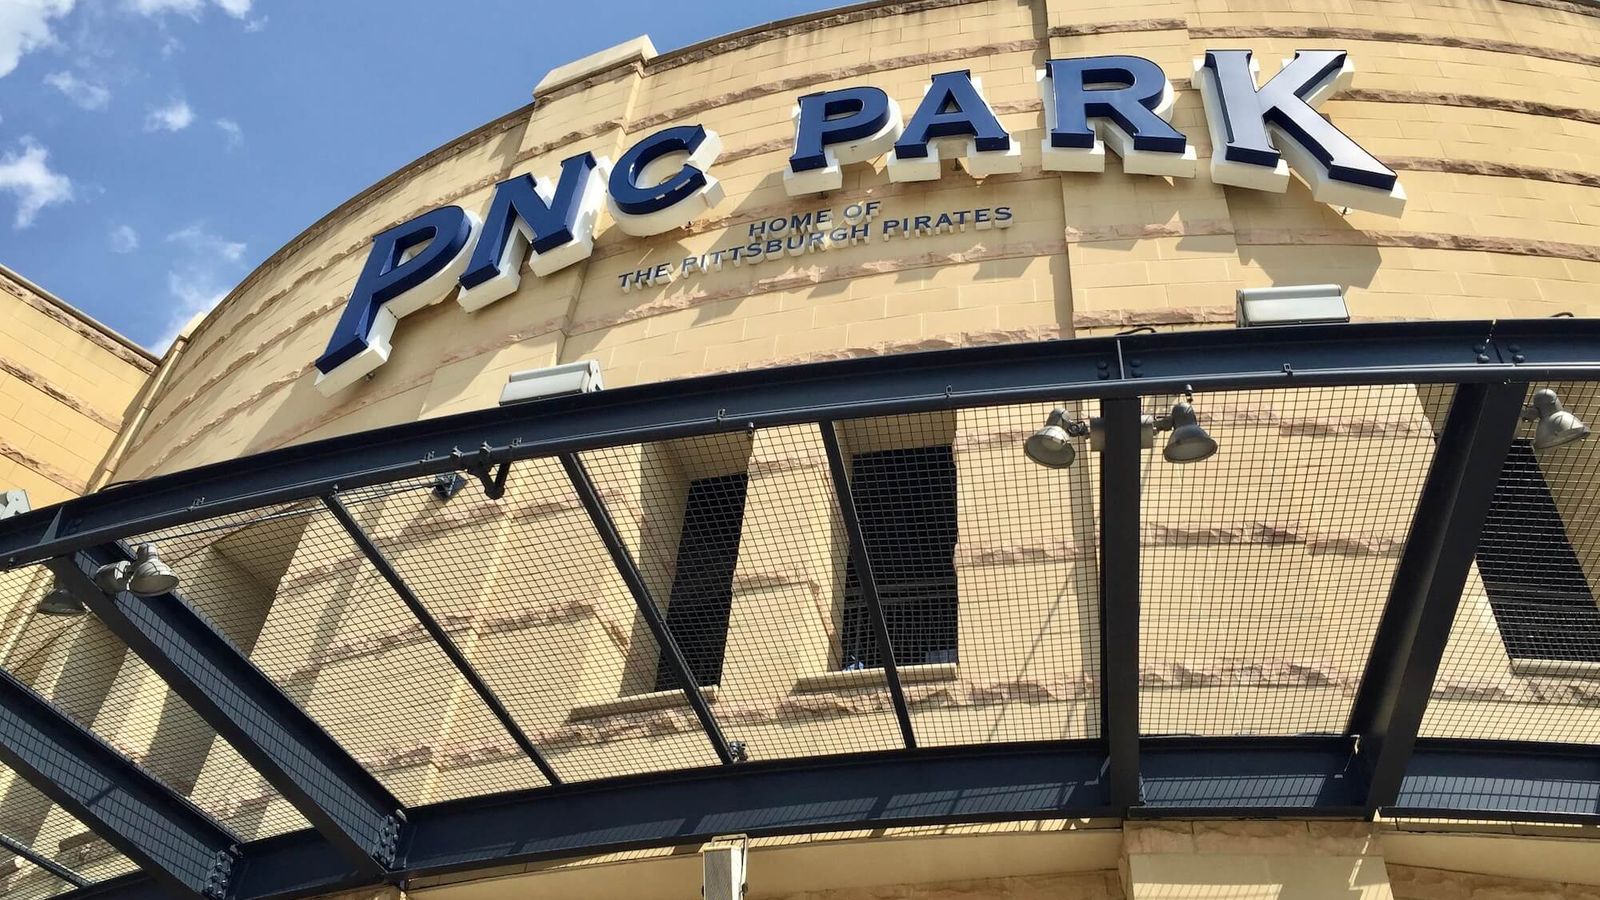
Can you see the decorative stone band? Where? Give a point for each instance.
(78, 326)
(43, 467)
(41, 384)
(1230, 32)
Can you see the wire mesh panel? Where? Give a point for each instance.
(741, 543)
(22, 880)
(1523, 660)
(290, 589)
(537, 606)
(1020, 547)
(90, 675)
(32, 820)
(1265, 568)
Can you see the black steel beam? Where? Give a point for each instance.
(1119, 597)
(1501, 781)
(865, 577)
(1286, 778)
(1314, 776)
(441, 637)
(42, 861)
(863, 791)
(623, 560)
(341, 799)
(1428, 581)
(1387, 352)
(181, 848)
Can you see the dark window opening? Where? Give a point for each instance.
(1541, 598)
(702, 586)
(906, 502)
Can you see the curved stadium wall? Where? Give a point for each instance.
(1263, 571)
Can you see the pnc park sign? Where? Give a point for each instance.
(664, 182)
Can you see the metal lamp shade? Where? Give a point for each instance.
(1189, 442)
(1051, 446)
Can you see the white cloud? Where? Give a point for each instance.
(195, 292)
(28, 176)
(191, 8)
(124, 239)
(231, 129)
(175, 116)
(25, 26)
(198, 241)
(85, 94)
(199, 278)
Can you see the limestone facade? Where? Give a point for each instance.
(1264, 570)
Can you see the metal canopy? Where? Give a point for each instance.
(556, 484)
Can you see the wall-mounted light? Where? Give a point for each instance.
(1292, 304)
(1556, 425)
(554, 381)
(1189, 442)
(1052, 447)
(145, 576)
(60, 602)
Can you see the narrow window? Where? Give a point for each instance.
(702, 586)
(1536, 586)
(906, 501)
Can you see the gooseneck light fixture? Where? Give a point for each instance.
(145, 576)
(1052, 445)
(1557, 426)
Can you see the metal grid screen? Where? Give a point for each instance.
(536, 605)
(774, 617)
(35, 654)
(290, 589)
(1524, 652)
(90, 675)
(1264, 569)
(1264, 572)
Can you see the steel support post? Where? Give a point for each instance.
(864, 575)
(1119, 597)
(1428, 581)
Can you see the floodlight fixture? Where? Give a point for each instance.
(1189, 442)
(1051, 446)
(1557, 427)
(145, 576)
(60, 602)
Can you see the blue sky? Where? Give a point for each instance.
(152, 152)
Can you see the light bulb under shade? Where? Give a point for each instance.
(1051, 447)
(1189, 442)
(1556, 425)
(60, 602)
(149, 576)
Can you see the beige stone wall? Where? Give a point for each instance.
(1265, 569)
(1487, 110)
(66, 383)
